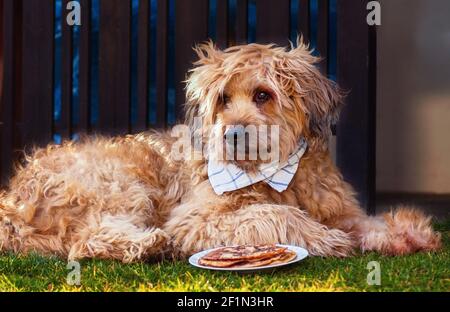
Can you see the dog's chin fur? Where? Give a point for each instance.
(128, 198)
(247, 166)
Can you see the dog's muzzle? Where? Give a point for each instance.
(234, 134)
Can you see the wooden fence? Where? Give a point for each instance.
(28, 57)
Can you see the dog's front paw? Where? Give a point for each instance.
(333, 243)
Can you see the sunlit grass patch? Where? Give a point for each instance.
(418, 272)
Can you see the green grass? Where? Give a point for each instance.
(418, 272)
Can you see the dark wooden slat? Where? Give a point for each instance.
(372, 111)
(114, 66)
(64, 126)
(37, 71)
(161, 63)
(191, 27)
(143, 65)
(272, 21)
(356, 128)
(222, 24)
(304, 20)
(241, 21)
(84, 70)
(1, 53)
(17, 131)
(2, 117)
(323, 34)
(7, 87)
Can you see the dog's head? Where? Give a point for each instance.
(257, 85)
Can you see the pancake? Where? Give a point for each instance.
(247, 256)
(283, 258)
(244, 253)
(218, 263)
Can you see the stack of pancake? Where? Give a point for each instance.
(247, 256)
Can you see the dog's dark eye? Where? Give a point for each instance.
(261, 97)
(224, 99)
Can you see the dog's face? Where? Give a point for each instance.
(258, 90)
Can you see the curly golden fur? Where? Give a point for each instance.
(128, 198)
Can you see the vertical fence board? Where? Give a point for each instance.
(222, 23)
(143, 65)
(8, 86)
(191, 27)
(304, 20)
(241, 21)
(371, 125)
(84, 70)
(1, 53)
(161, 64)
(37, 72)
(272, 21)
(114, 66)
(356, 129)
(323, 34)
(64, 127)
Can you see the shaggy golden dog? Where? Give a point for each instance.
(129, 198)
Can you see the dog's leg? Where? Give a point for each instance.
(125, 237)
(117, 237)
(330, 200)
(402, 231)
(114, 237)
(8, 240)
(194, 227)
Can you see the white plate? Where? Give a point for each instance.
(301, 254)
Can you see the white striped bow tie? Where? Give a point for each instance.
(227, 177)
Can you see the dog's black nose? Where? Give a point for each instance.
(232, 134)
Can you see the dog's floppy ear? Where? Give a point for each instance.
(204, 83)
(320, 98)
